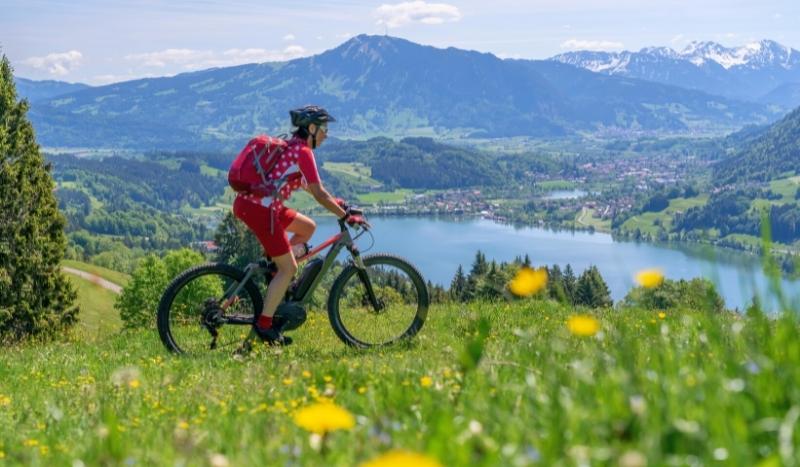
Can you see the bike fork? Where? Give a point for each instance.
(362, 274)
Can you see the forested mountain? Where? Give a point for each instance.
(771, 155)
(378, 85)
(758, 71)
(38, 90)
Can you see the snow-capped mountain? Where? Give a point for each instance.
(748, 72)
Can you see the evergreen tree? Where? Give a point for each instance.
(555, 285)
(526, 261)
(570, 284)
(35, 297)
(479, 266)
(458, 285)
(237, 244)
(592, 290)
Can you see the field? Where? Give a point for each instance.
(98, 319)
(484, 384)
(646, 222)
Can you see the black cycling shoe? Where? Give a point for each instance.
(272, 336)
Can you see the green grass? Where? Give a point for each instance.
(646, 221)
(116, 277)
(586, 218)
(549, 185)
(98, 319)
(682, 388)
(355, 173)
(786, 187)
(396, 196)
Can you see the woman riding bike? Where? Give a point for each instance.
(270, 219)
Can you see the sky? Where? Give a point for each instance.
(104, 41)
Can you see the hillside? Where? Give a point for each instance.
(660, 388)
(379, 85)
(39, 90)
(774, 154)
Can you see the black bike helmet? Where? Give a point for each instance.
(309, 114)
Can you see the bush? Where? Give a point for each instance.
(695, 295)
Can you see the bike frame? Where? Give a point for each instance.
(337, 242)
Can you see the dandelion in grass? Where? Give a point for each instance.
(650, 278)
(661, 315)
(324, 417)
(399, 458)
(583, 325)
(426, 381)
(528, 281)
(4, 400)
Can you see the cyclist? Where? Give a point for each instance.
(270, 220)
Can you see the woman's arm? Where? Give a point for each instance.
(325, 199)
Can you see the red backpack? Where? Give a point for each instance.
(248, 172)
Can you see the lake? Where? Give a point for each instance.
(437, 246)
(565, 194)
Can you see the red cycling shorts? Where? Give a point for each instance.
(268, 224)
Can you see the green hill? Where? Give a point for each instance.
(773, 154)
(657, 388)
(97, 318)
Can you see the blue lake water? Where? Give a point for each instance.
(438, 246)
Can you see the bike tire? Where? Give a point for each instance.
(399, 286)
(178, 308)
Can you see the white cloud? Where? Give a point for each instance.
(289, 38)
(400, 14)
(577, 44)
(58, 64)
(168, 57)
(188, 59)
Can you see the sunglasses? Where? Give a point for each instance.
(323, 128)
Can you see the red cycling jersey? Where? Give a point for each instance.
(268, 217)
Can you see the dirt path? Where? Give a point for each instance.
(94, 279)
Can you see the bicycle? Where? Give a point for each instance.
(376, 300)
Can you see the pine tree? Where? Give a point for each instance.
(458, 285)
(570, 284)
(35, 297)
(479, 266)
(237, 245)
(592, 290)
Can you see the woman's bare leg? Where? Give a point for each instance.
(303, 228)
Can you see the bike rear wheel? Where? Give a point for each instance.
(394, 310)
(191, 309)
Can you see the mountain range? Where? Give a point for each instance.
(381, 85)
(763, 71)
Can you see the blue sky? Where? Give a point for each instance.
(98, 42)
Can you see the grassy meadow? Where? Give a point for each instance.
(508, 383)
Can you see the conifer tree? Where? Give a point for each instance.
(35, 297)
(479, 266)
(237, 244)
(458, 285)
(570, 284)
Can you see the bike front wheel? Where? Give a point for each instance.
(201, 309)
(384, 303)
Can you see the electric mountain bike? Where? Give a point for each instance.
(376, 300)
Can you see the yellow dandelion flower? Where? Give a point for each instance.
(30, 442)
(183, 425)
(327, 378)
(324, 417)
(362, 390)
(133, 384)
(4, 400)
(650, 278)
(583, 325)
(426, 381)
(399, 458)
(306, 374)
(287, 381)
(662, 315)
(528, 281)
